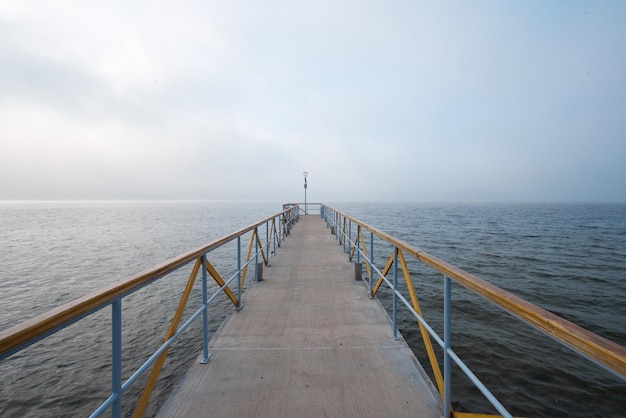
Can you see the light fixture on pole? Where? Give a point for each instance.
(305, 186)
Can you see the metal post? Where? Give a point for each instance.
(274, 236)
(283, 227)
(395, 295)
(350, 232)
(305, 187)
(256, 256)
(116, 358)
(358, 244)
(267, 240)
(371, 263)
(239, 273)
(205, 314)
(447, 344)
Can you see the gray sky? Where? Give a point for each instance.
(377, 100)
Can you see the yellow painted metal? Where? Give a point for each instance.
(592, 345)
(354, 245)
(605, 351)
(434, 363)
(46, 322)
(274, 233)
(30, 330)
(245, 269)
(260, 245)
(414, 301)
(384, 273)
(254, 238)
(158, 364)
(361, 238)
(218, 279)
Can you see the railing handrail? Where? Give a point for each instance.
(302, 204)
(318, 205)
(32, 330)
(600, 349)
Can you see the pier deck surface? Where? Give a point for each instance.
(308, 343)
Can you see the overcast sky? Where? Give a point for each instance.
(377, 100)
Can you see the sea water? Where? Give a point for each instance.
(567, 258)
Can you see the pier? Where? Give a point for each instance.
(303, 336)
(308, 342)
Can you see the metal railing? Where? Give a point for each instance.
(351, 235)
(306, 208)
(276, 228)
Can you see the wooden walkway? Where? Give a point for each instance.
(308, 343)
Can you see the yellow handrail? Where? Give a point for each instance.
(592, 345)
(41, 325)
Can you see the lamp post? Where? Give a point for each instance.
(305, 186)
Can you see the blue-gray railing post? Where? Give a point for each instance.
(395, 294)
(239, 306)
(274, 235)
(282, 227)
(358, 245)
(342, 234)
(447, 345)
(205, 313)
(116, 358)
(256, 255)
(350, 233)
(371, 263)
(267, 240)
(339, 228)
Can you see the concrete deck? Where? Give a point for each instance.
(308, 343)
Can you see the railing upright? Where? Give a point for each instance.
(349, 240)
(256, 256)
(371, 263)
(447, 342)
(395, 293)
(205, 313)
(267, 241)
(239, 304)
(358, 244)
(603, 352)
(343, 234)
(23, 335)
(116, 358)
(273, 240)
